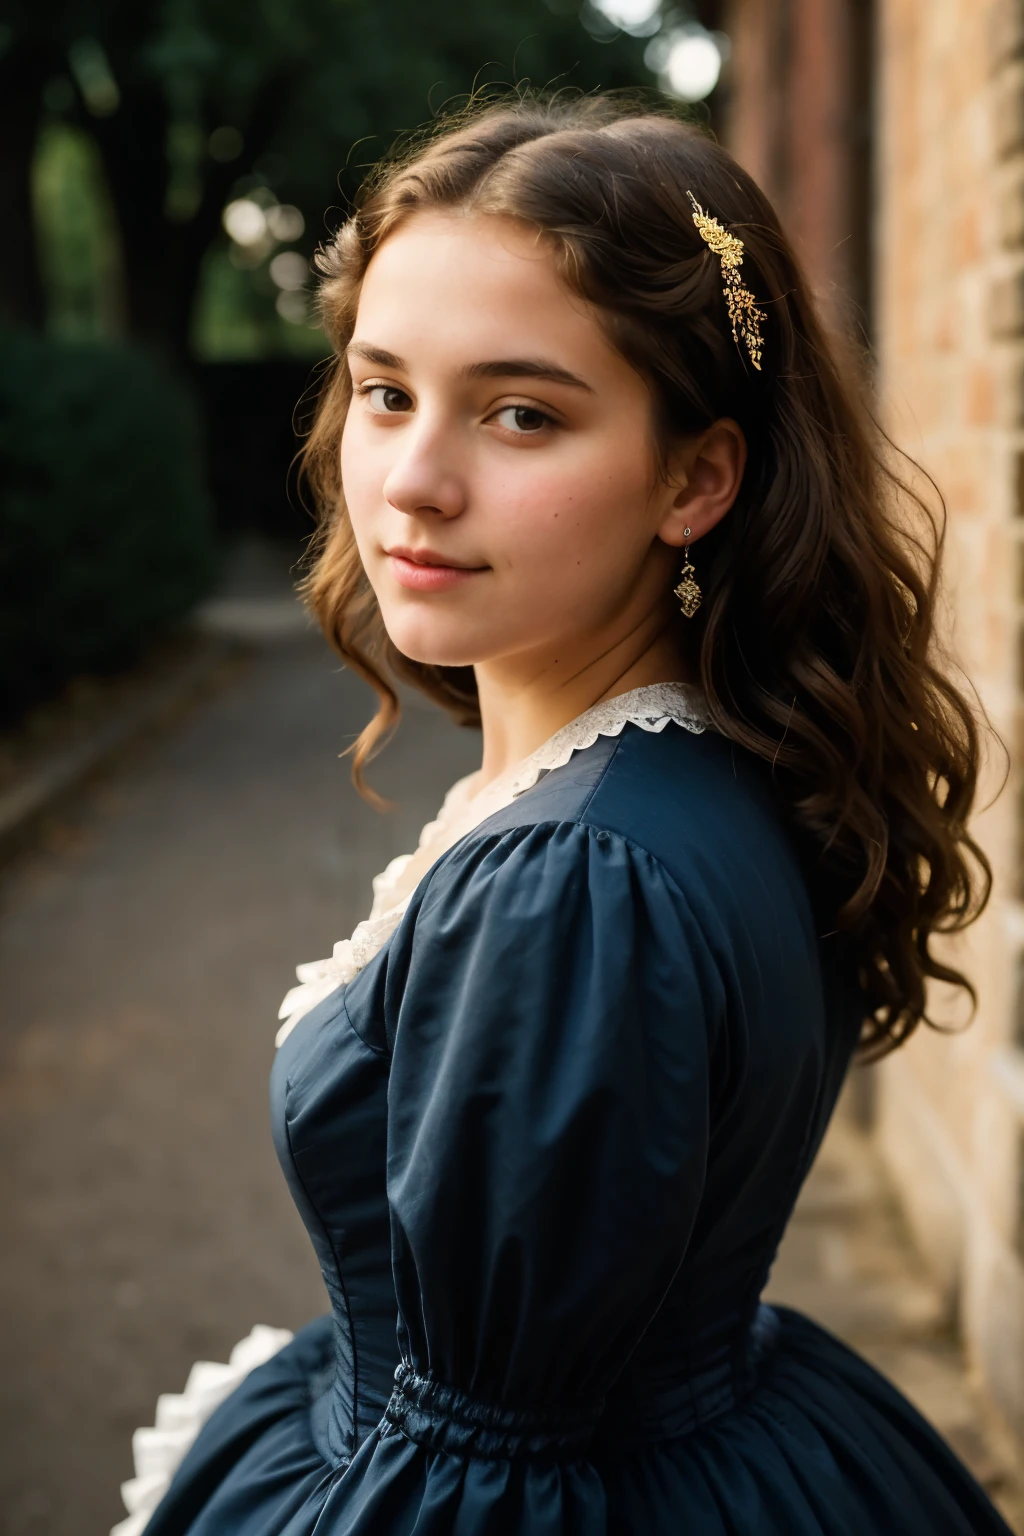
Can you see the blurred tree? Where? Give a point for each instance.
(76, 228)
(107, 531)
(27, 60)
(195, 103)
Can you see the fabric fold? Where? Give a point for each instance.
(440, 1419)
(159, 1450)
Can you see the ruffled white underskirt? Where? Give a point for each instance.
(159, 1450)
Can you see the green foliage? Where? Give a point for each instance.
(77, 235)
(235, 319)
(194, 102)
(146, 118)
(370, 70)
(106, 532)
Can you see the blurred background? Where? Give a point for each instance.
(176, 827)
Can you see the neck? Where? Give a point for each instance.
(524, 701)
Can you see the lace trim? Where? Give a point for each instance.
(319, 978)
(159, 1451)
(651, 708)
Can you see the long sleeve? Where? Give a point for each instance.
(551, 1007)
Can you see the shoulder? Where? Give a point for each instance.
(640, 822)
(692, 800)
(698, 802)
(548, 931)
(541, 881)
(683, 813)
(529, 869)
(671, 831)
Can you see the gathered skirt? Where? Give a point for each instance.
(822, 1446)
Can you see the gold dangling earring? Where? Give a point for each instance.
(688, 592)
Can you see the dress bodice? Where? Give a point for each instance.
(465, 807)
(545, 1118)
(637, 917)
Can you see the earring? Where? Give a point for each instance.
(688, 592)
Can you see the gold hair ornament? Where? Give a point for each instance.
(744, 315)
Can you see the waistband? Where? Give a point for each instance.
(710, 1380)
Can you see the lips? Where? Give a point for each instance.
(425, 570)
(430, 557)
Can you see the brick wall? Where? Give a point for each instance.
(936, 212)
(949, 271)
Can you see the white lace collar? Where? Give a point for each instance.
(651, 708)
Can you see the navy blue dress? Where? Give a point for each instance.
(546, 1144)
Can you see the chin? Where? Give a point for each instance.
(437, 645)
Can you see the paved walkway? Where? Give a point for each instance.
(143, 950)
(143, 954)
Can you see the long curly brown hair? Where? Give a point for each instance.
(815, 641)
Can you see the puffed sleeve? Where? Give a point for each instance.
(551, 1008)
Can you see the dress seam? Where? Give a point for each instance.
(478, 836)
(341, 1281)
(585, 807)
(379, 1051)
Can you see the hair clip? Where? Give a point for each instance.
(744, 315)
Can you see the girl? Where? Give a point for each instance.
(592, 478)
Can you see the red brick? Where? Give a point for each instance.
(979, 403)
(968, 237)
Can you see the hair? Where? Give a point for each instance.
(814, 644)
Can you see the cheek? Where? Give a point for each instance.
(578, 514)
(363, 472)
(357, 470)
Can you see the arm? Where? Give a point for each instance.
(549, 1007)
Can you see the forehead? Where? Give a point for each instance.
(453, 281)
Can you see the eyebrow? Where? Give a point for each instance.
(500, 368)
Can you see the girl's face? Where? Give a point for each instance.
(498, 459)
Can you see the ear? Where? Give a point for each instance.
(704, 477)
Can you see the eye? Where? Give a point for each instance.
(523, 419)
(386, 398)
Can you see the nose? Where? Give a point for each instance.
(423, 479)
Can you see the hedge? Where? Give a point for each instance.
(107, 532)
